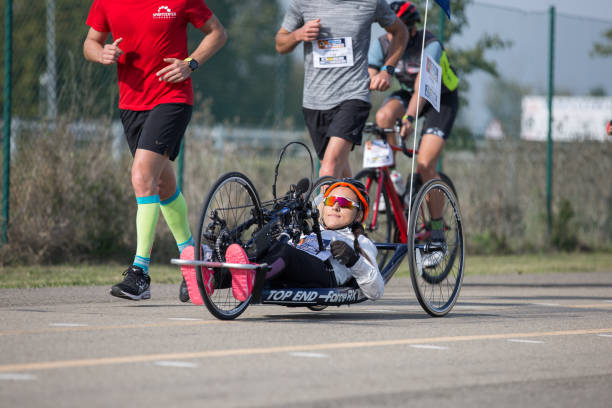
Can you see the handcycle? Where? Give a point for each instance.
(233, 213)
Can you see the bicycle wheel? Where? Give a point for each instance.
(418, 183)
(379, 225)
(437, 282)
(230, 214)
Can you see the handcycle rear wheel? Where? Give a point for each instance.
(378, 225)
(231, 213)
(437, 286)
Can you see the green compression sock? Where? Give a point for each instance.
(146, 221)
(174, 210)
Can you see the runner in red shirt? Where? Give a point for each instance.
(155, 102)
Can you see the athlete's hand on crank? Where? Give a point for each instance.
(309, 31)
(343, 253)
(111, 52)
(177, 71)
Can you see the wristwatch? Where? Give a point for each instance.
(193, 64)
(390, 70)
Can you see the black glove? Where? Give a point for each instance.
(344, 253)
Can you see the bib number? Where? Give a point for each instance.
(332, 52)
(377, 153)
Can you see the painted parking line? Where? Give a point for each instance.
(111, 327)
(178, 364)
(605, 335)
(309, 348)
(16, 377)
(428, 346)
(525, 341)
(308, 355)
(67, 325)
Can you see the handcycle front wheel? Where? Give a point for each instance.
(231, 213)
(436, 266)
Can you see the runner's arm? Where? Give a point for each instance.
(95, 50)
(214, 38)
(399, 40)
(287, 41)
(381, 81)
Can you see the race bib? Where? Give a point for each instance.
(377, 153)
(332, 52)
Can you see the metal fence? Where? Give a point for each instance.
(52, 83)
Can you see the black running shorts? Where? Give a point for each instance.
(345, 121)
(159, 130)
(436, 123)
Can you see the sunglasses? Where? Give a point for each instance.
(343, 202)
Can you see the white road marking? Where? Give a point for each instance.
(428, 346)
(17, 377)
(185, 319)
(525, 341)
(605, 335)
(235, 353)
(180, 364)
(546, 304)
(309, 355)
(67, 324)
(382, 311)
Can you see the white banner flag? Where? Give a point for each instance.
(431, 82)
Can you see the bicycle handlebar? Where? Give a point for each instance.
(372, 128)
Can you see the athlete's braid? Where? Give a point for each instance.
(358, 230)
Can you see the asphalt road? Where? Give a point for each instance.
(522, 340)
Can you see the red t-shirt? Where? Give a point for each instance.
(151, 30)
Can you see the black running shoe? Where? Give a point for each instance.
(183, 292)
(135, 285)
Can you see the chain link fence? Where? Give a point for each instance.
(67, 143)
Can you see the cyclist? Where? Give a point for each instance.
(403, 103)
(348, 253)
(336, 100)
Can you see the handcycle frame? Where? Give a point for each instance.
(291, 215)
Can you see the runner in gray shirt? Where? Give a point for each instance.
(336, 102)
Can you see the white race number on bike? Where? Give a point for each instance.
(377, 153)
(332, 52)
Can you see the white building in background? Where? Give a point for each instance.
(574, 118)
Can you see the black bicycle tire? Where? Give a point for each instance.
(250, 188)
(450, 302)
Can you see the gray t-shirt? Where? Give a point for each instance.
(343, 23)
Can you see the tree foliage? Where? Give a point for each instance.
(603, 49)
(471, 59)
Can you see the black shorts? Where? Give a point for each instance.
(436, 123)
(159, 130)
(345, 121)
(301, 268)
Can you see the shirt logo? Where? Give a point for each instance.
(164, 13)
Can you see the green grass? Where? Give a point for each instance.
(108, 274)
